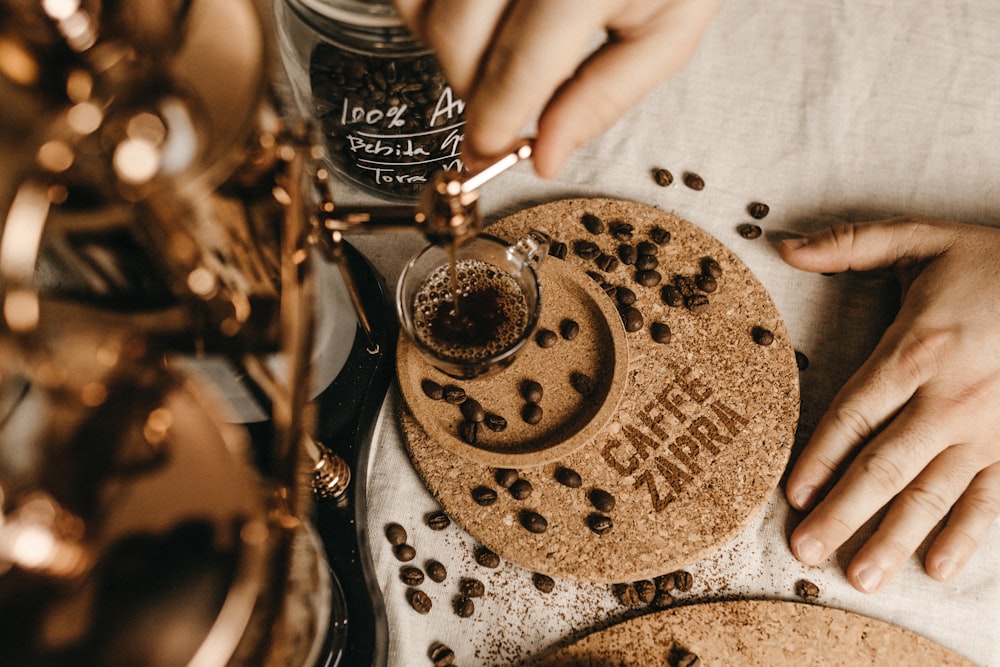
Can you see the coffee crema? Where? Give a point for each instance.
(491, 315)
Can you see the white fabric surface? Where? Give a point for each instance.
(827, 110)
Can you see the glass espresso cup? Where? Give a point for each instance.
(469, 309)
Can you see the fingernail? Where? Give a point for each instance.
(810, 551)
(946, 568)
(869, 578)
(795, 243)
(802, 498)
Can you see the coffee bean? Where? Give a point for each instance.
(626, 594)
(464, 607)
(438, 520)
(546, 338)
(505, 477)
(593, 224)
(586, 249)
(404, 552)
(710, 267)
(632, 318)
(646, 263)
(801, 360)
(606, 262)
(660, 332)
(599, 523)
(487, 558)
(662, 599)
(495, 422)
(659, 235)
(807, 590)
(663, 177)
(646, 248)
(689, 660)
(454, 394)
(706, 283)
(532, 391)
(609, 289)
(582, 382)
(602, 500)
(648, 278)
(697, 303)
(749, 231)
(762, 336)
(484, 495)
(441, 655)
(683, 580)
(665, 582)
(627, 253)
(597, 277)
(694, 181)
(569, 329)
(543, 582)
(472, 410)
(625, 296)
(436, 571)
(558, 249)
(533, 522)
(520, 489)
(395, 533)
(432, 390)
(472, 588)
(685, 285)
(420, 601)
(645, 590)
(468, 432)
(411, 575)
(531, 413)
(568, 477)
(758, 210)
(671, 296)
(622, 231)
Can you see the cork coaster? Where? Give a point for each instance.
(754, 633)
(570, 420)
(699, 439)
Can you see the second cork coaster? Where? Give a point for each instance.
(700, 437)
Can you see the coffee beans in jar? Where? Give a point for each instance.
(388, 117)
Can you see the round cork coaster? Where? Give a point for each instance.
(569, 418)
(753, 632)
(700, 436)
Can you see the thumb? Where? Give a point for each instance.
(867, 246)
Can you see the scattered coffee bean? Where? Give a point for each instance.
(749, 231)
(505, 477)
(706, 283)
(586, 249)
(694, 181)
(468, 432)
(464, 606)
(710, 267)
(807, 590)
(495, 422)
(625, 296)
(420, 601)
(688, 659)
(558, 249)
(593, 224)
(662, 177)
(683, 580)
(685, 285)
(599, 523)
(395, 533)
(801, 360)
(606, 262)
(598, 277)
(659, 235)
(411, 575)
(665, 582)
(627, 253)
(622, 231)
(441, 655)
(484, 495)
(671, 296)
(532, 391)
(646, 590)
(438, 520)
(627, 595)
(632, 318)
(436, 571)
(546, 338)
(646, 263)
(662, 599)
(471, 587)
(487, 558)
(582, 382)
(533, 522)
(432, 389)
(648, 278)
(697, 303)
(472, 410)
(762, 336)
(543, 582)
(568, 477)
(758, 210)
(569, 329)
(531, 413)
(404, 552)
(660, 332)
(602, 500)
(609, 289)
(454, 394)
(646, 248)
(520, 489)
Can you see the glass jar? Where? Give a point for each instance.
(389, 119)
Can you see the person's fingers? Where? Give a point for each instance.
(969, 521)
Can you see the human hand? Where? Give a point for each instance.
(915, 428)
(509, 59)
